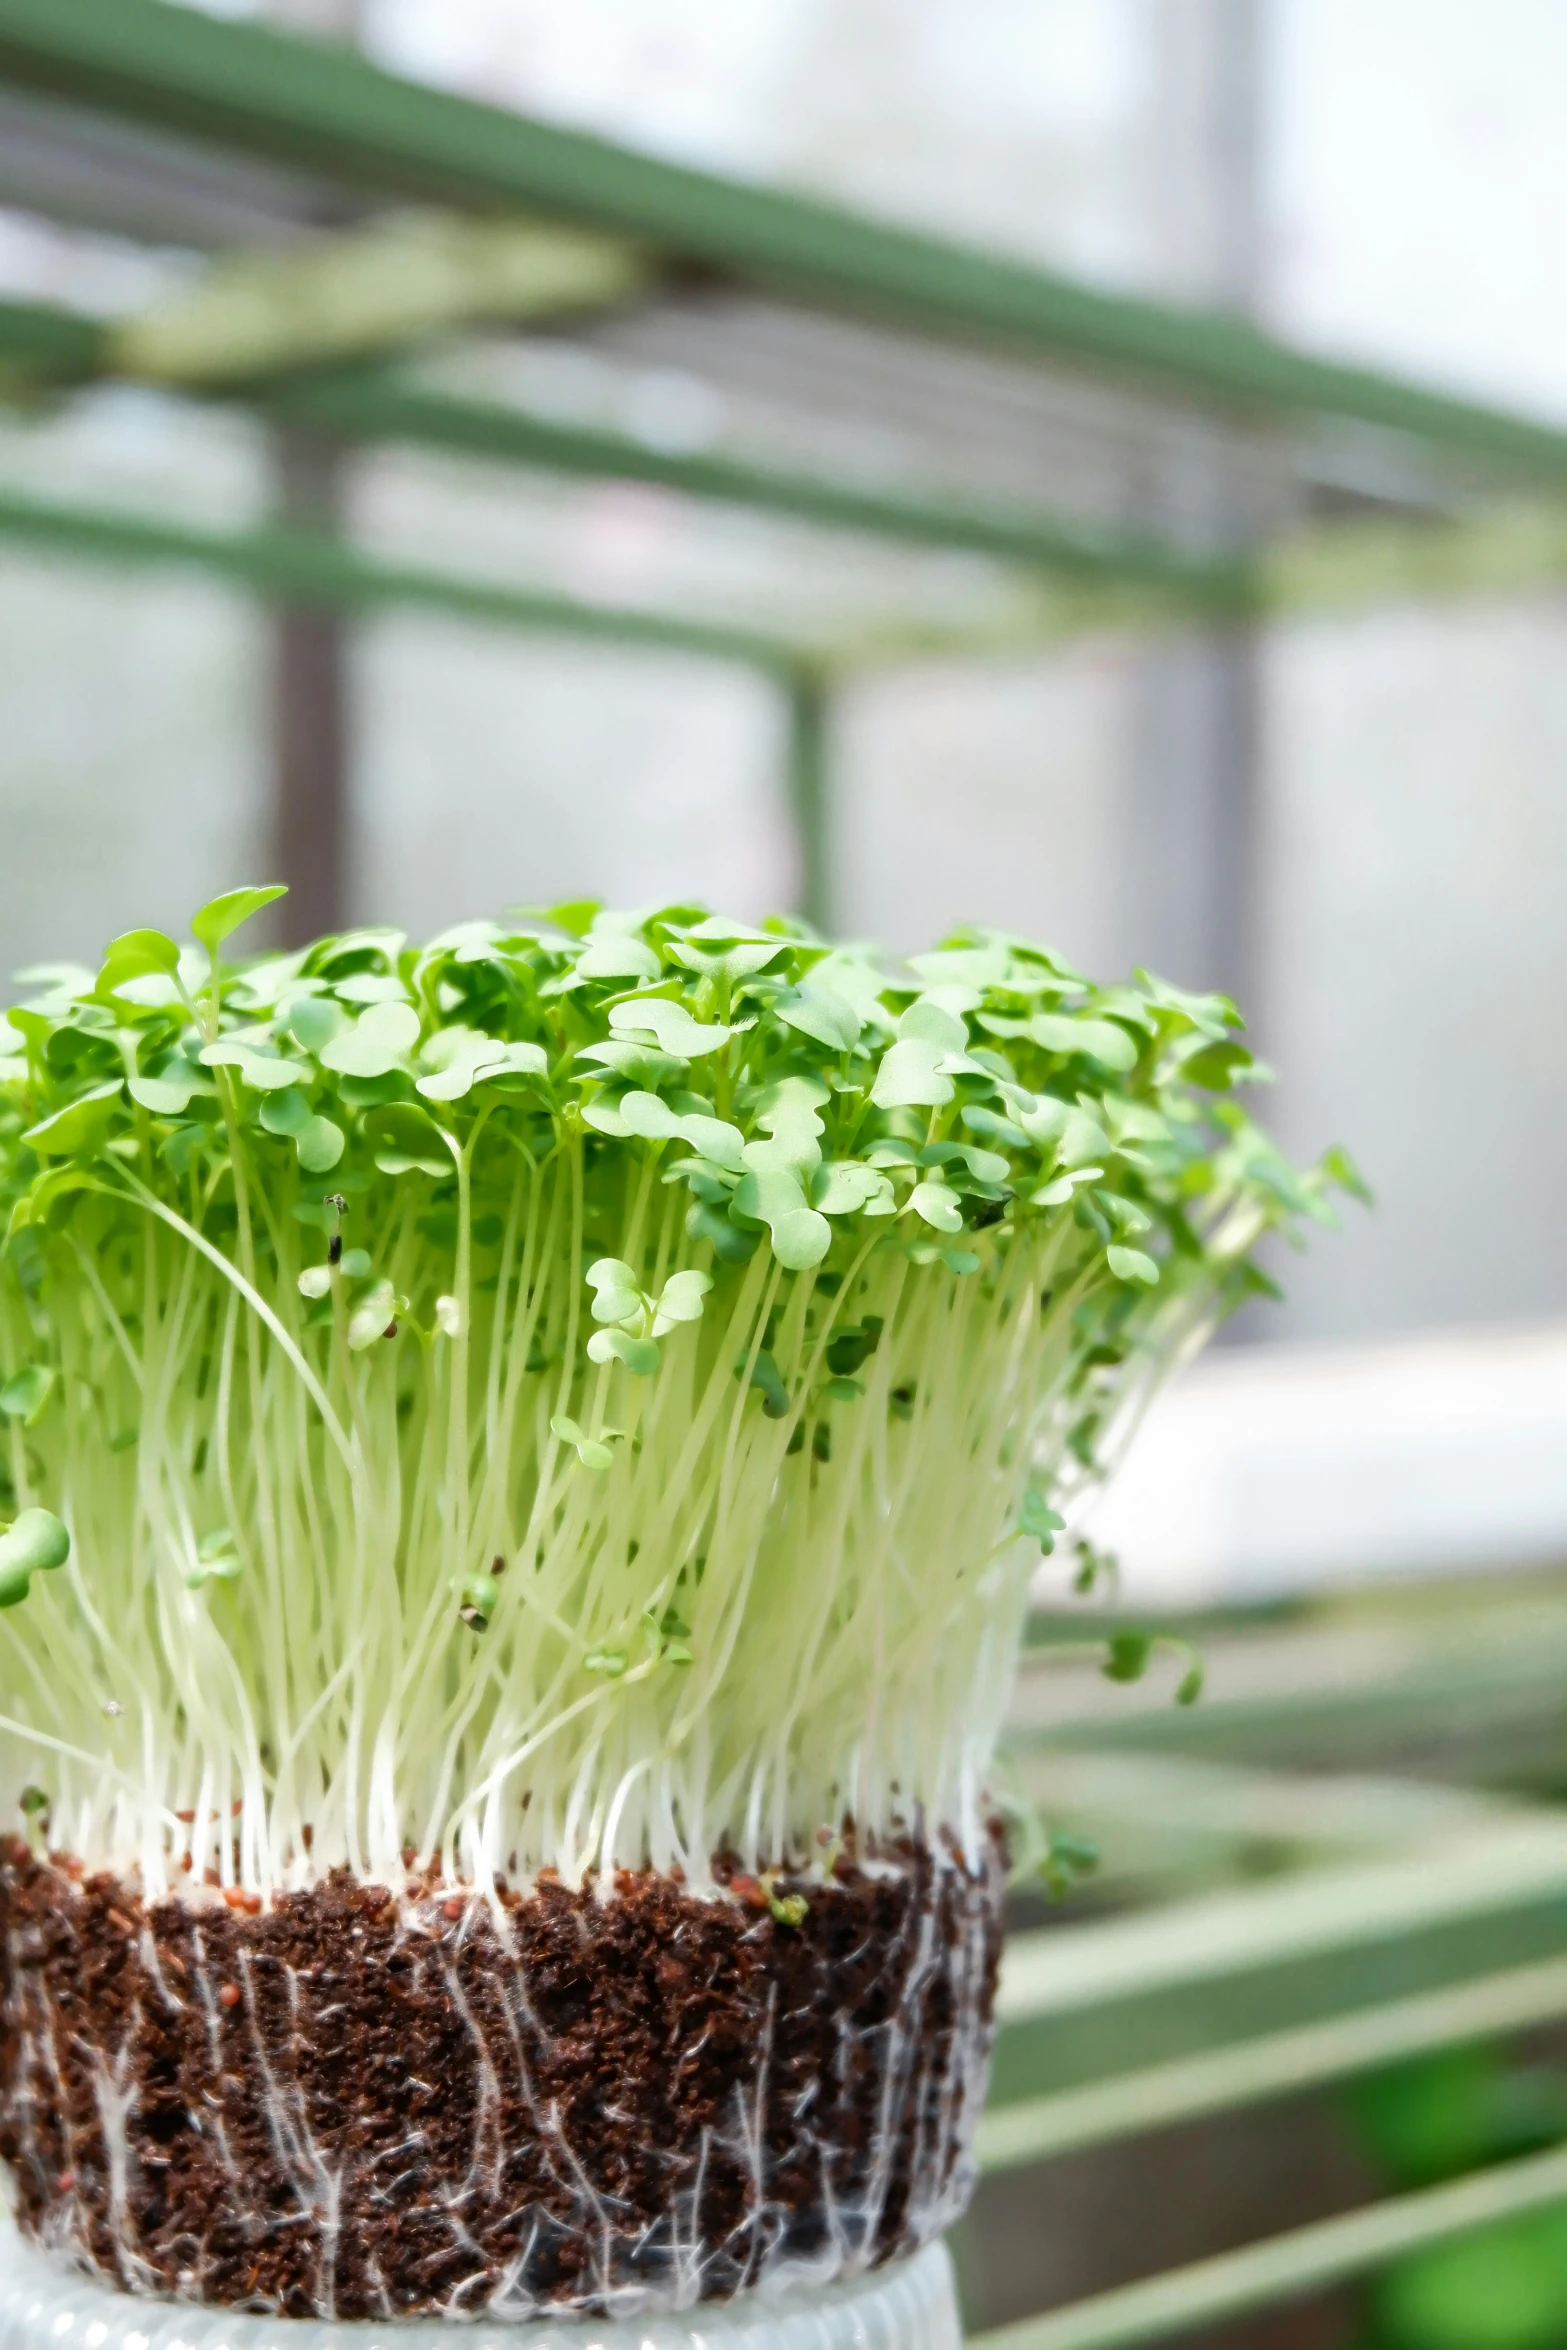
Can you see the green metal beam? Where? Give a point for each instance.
(1279, 2064)
(810, 728)
(1139, 1993)
(300, 568)
(379, 407)
(247, 90)
(41, 341)
(375, 406)
(1286, 2268)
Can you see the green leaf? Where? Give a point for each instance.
(640, 1355)
(669, 1025)
(847, 1187)
(1099, 1040)
(800, 1237)
(379, 1042)
(1038, 1521)
(979, 1120)
(319, 1145)
(314, 1020)
(406, 1137)
(617, 1294)
(373, 1318)
(80, 1126)
(36, 1543)
(937, 1204)
(263, 1072)
(648, 1115)
(136, 954)
(911, 1077)
(681, 1300)
(821, 1013)
(1130, 1264)
(457, 1059)
(24, 1396)
(220, 917)
(590, 1452)
(1126, 1656)
(607, 957)
(1217, 1066)
(286, 1112)
(765, 1374)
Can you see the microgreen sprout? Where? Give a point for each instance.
(591, 1390)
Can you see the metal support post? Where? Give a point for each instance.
(310, 713)
(1191, 836)
(810, 719)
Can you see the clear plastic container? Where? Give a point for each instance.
(909, 2305)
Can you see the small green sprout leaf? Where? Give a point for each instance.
(610, 1661)
(681, 1300)
(405, 1138)
(670, 1026)
(640, 1355)
(592, 1453)
(1130, 1264)
(319, 1145)
(1097, 1040)
(1067, 1859)
(910, 1076)
(314, 1020)
(1038, 1521)
(617, 1294)
(263, 1072)
(217, 1559)
(937, 1204)
(766, 1375)
(482, 1593)
(379, 1042)
(788, 1909)
(137, 954)
(847, 1187)
(24, 1396)
(79, 1127)
(285, 1112)
(1127, 1655)
(821, 1013)
(35, 1544)
(373, 1318)
(221, 917)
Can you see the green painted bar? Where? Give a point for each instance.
(302, 569)
(371, 405)
(255, 92)
(44, 342)
(1282, 2064)
(377, 407)
(1286, 2268)
(810, 730)
(1092, 2003)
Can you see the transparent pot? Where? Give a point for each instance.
(908, 2305)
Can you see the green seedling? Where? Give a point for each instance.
(583, 1392)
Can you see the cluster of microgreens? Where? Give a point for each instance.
(589, 1391)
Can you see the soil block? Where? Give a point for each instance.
(356, 2104)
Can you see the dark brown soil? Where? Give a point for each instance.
(356, 2106)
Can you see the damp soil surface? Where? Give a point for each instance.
(355, 2104)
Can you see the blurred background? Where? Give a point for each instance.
(1159, 551)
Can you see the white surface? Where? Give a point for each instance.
(910, 2306)
(1270, 1469)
